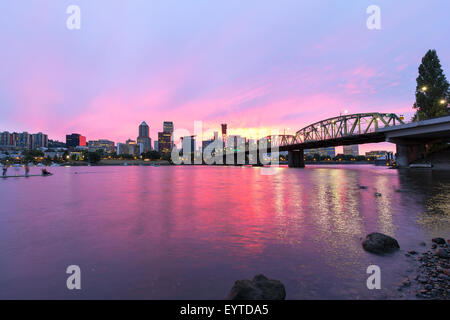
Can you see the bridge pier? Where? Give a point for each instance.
(296, 159)
(408, 153)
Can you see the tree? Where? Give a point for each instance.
(432, 90)
(153, 155)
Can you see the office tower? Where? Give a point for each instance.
(75, 140)
(155, 145)
(165, 142)
(144, 137)
(168, 127)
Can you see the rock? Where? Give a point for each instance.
(363, 187)
(260, 288)
(412, 252)
(380, 243)
(442, 253)
(423, 244)
(377, 194)
(433, 246)
(438, 240)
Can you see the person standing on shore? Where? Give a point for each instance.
(5, 168)
(27, 170)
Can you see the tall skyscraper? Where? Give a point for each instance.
(165, 142)
(351, 150)
(144, 137)
(168, 127)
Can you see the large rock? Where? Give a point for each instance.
(438, 240)
(260, 288)
(380, 243)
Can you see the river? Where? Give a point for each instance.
(188, 232)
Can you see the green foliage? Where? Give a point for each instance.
(29, 155)
(432, 90)
(153, 155)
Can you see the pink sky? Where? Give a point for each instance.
(254, 67)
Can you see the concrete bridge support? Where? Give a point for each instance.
(408, 153)
(296, 159)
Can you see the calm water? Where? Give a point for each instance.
(190, 232)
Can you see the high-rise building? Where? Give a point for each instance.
(168, 127)
(351, 150)
(40, 140)
(25, 140)
(155, 145)
(5, 138)
(144, 137)
(75, 140)
(165, 142)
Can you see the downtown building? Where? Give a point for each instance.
(351, 150)
(165, 139)
(130, 147)
(144, 137)
(103, 145)
(23, 141)
(75, 140)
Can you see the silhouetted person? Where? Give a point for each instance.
(27, 170)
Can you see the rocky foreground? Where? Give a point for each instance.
(432, 280)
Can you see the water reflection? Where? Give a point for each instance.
(190, 232)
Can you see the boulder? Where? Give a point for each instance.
(380, 243)
(438, 240)
(260, 288)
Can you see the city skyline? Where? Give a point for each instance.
(237, 65)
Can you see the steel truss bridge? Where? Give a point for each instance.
(343, 130)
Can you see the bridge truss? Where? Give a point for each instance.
(341, 127)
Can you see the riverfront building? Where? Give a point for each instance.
(352, 150)
(376, 154)
(104, 145)
(323, 152)
(23, 141)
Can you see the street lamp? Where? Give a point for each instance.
(424, 88)
(443, 101)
